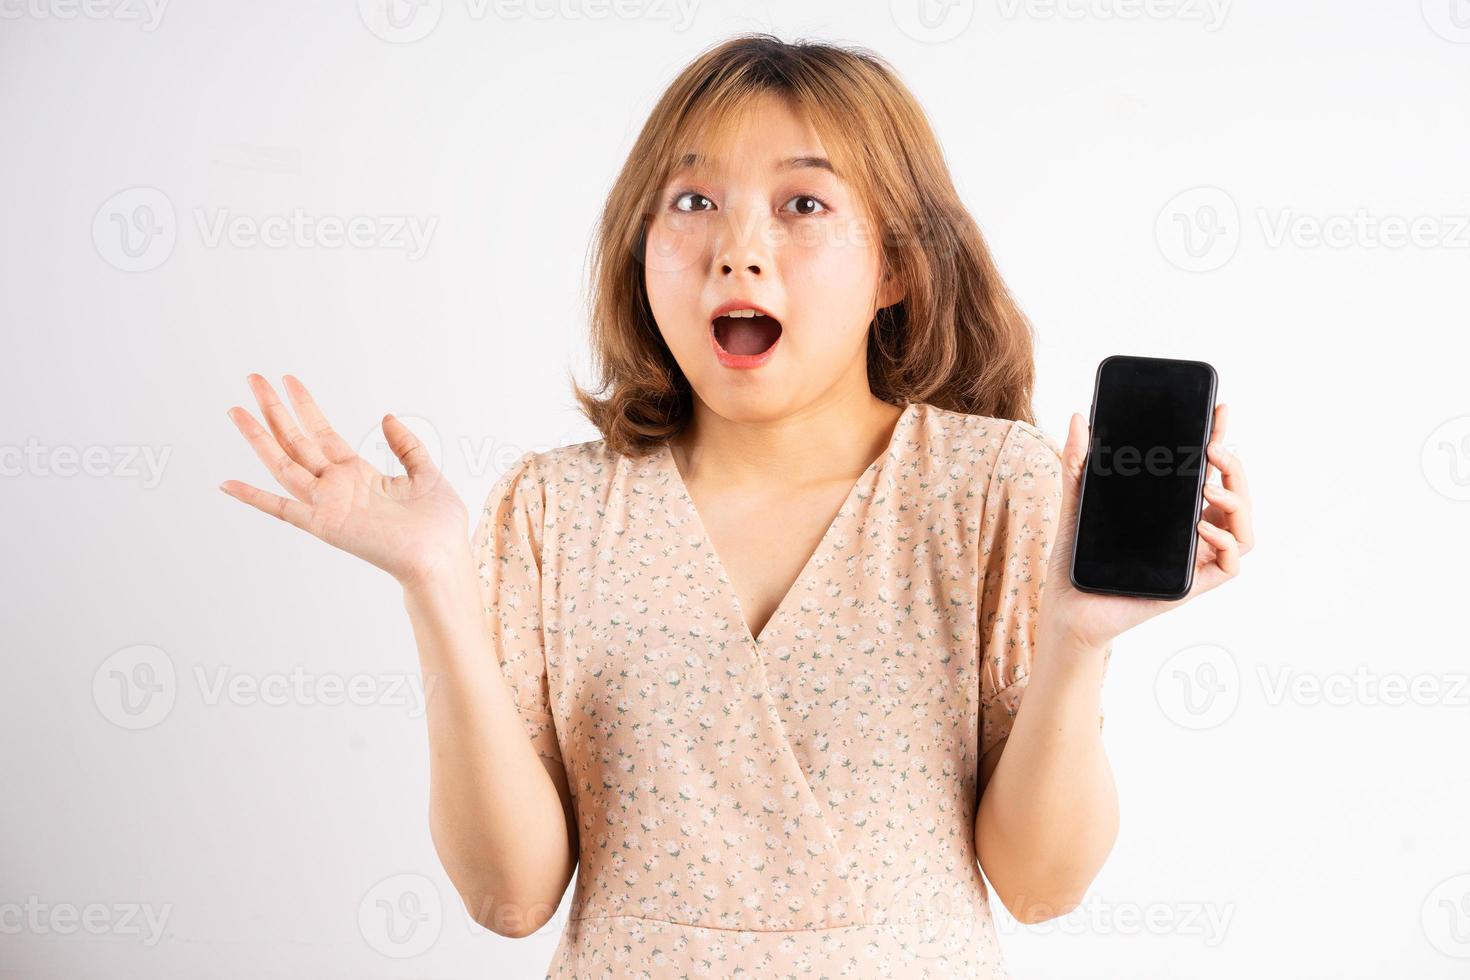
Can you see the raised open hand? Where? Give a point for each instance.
(406, 525)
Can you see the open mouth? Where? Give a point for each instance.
(746, 336)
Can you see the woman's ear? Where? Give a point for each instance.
(890, 290)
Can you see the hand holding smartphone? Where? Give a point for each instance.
(1141, 489)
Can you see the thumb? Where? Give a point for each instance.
(407, 447)
(1074, 457)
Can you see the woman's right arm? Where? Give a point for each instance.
(501, 818)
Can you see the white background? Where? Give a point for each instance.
(1266, 831)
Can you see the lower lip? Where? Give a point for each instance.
(741, 361)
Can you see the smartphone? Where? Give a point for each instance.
(1143, 482)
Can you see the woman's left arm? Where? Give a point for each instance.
(1048, 813)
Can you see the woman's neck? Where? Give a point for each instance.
(831, 439)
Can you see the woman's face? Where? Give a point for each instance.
(770, 227)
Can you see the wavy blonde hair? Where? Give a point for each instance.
(957, 339)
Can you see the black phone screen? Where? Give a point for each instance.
(1144, 475)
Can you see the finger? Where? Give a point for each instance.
(407, 447)
(293, 475)
(1232, 471)
(298, 445)
(337, 449)
(1074, 457)
(1218, 423)
(1074, 453)
(1227, 500)
(293, 512)
(1239, 527)
(1227, 550)
(1231, 511)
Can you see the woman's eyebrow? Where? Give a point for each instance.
(692, 160)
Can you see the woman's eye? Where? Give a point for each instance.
(819, 206)
(692, 201)
(690, 194)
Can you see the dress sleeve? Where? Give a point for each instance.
(507, 552)
(1022, 507)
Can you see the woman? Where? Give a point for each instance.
(753, 660)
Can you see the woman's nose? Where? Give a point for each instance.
(745, 245)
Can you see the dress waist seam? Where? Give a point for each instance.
(800, 929)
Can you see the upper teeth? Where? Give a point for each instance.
(745, 313)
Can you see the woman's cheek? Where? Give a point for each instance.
(839, 275)
(673, 252)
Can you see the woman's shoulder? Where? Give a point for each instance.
(578, 466)
(948, 432)
(998, 457)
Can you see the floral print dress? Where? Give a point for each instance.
(801, 805)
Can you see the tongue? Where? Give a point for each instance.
(746, 335)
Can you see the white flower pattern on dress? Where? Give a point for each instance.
(801, 805)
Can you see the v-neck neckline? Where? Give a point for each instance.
(666, 455)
